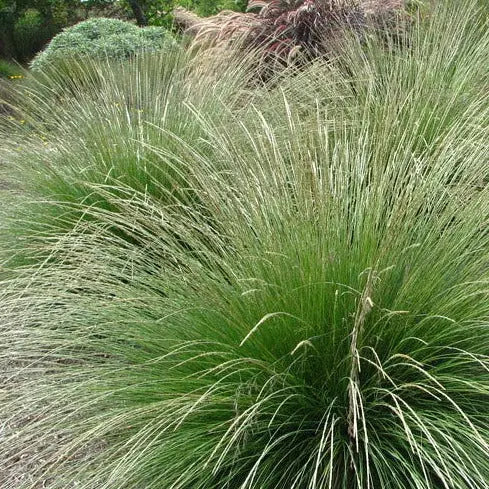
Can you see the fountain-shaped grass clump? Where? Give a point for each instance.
(302, 304)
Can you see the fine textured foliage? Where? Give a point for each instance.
(301, 304)
(288, 31)
(305, 25)
(113, 124)
(101, 38)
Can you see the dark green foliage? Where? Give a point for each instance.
(159, 12)
(26, 25)
(31, 32)
(10, 70)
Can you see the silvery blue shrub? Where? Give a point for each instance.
(102, 38)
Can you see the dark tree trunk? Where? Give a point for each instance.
(138, 12)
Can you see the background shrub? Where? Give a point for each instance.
(26, 25)
(285, 33)
(31, 33)
(101, 38)
(9, 69)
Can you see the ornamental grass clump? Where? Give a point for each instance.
(316, 317)
(288, 32)
(112, 127)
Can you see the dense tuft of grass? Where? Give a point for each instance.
(117, 125)
(308, 310)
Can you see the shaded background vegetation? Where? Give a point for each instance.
(27, 25)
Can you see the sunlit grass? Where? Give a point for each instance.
(310, 313)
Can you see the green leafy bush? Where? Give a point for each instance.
(10, 70)
(27, 25)
(101, 38)
(314, 317)
(31, 32)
